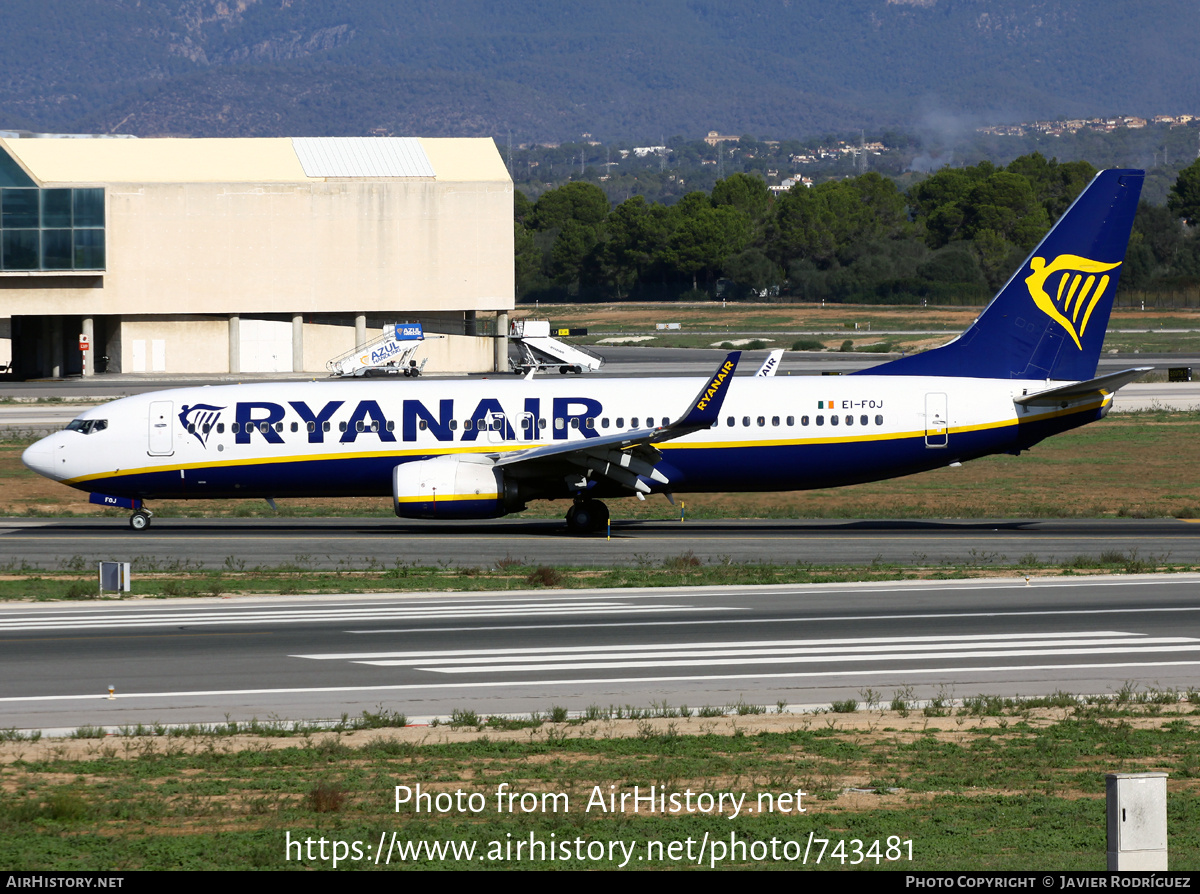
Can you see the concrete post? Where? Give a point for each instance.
(360, 331)
(501, 341)
(235, 344)
(89, 356)
(297, 343)
(56, 347)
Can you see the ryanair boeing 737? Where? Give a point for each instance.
(1024, 370)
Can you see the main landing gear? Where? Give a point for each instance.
(587, 517)
(140, 520)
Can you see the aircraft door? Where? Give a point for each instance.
(937, 421)
(162, 428)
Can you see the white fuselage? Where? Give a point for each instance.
(345, 438)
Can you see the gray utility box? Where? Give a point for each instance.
(1137, 821)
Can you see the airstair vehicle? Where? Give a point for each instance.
(390, 354)
(539, 350)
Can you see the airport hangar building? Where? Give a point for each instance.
(250, 255)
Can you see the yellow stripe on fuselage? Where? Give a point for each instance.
(511, 447)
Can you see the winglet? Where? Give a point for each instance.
(706, 408)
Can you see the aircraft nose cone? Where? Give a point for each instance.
(39, 457)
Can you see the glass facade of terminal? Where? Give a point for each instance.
(48, 229)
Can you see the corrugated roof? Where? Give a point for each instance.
(362, 157)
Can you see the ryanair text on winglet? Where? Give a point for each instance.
(715, 385)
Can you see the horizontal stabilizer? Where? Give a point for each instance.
(1102, 385)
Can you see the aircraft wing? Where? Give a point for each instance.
(629, 456)
(1098, 386)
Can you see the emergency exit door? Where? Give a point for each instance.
(937, 421)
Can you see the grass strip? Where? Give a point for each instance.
(153, 578)
(983, 782)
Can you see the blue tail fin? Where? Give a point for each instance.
(1049, 320)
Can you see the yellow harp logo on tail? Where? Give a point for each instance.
(1068, 289)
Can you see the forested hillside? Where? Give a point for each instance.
(549, 70)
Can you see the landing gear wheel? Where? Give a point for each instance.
(140, 520)
(564, 369)
(587, 517)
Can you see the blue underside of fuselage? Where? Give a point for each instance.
(779, 467)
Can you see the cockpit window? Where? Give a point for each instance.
(87, 426)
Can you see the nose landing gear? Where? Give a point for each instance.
(140, 520)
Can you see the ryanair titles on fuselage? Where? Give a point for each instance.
(256, 417)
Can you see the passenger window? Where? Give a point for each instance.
(295, 426)
(542, 424)
(341, 426)
(312, 426)
(791, 421)
(422, 425)
(820, 420)
(849, 420)
(391, 426)
(453, 425)
(804, 420)
(862, 420)
(236, 427)
(467, 425)
(589, 422)
(745, 421)
(633, 422)
(604, 422)
(264, 427)
(559, 425)
(879, 420)
(325, 426)
(774, 420)
(762, 421)
(220, 428)
(729, 421)
(833, 420)
(575, 422)
(191, 428)
(278, 426)
(620, 422)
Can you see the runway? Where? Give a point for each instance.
(356, 544)
(426, 655)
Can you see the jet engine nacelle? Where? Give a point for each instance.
(453, 487)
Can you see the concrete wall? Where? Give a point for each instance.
(202, 346)
(324, 246)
